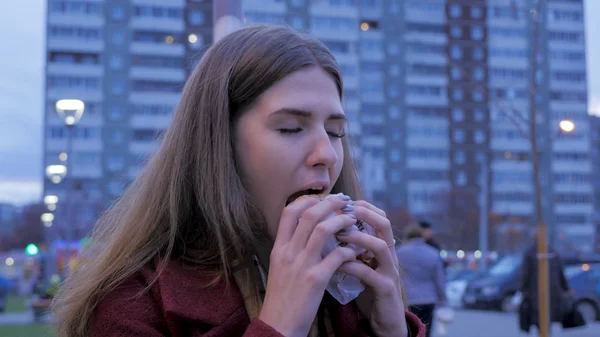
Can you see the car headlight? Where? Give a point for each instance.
(490, 290)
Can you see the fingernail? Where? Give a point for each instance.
(344, 197)
(352, 216)
(348, 208)
(321, 199)
(342, 232)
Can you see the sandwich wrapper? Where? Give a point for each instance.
(343, 287)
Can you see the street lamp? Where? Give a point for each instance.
(47, 219)
(566, 125)
(56, 173)
(70, 111)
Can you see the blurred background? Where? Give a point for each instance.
(439, 94)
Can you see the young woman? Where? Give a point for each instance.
(203, 243)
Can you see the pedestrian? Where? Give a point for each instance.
(209, 241)
(424, 280)
(428, 235)
(558, 285)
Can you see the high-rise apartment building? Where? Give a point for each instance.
(429, 88)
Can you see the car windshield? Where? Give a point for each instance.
(505, 266)
(572, 271)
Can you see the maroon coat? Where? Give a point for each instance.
(178, 306)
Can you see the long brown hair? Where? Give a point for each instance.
(189, 201)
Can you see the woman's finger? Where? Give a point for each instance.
(372, 207)
(289, 219)
(381, 224)
(332, 262)
(327, 229)
(380, 284)
(313, 216)
(377, 246)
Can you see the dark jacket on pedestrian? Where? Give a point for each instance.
(179, 304)
(558, 286)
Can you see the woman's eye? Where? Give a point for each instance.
(336, 134)
(289, 131)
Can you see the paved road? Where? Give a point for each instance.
(495, 324)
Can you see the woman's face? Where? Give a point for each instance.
(289, 141)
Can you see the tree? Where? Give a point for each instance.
(460, 211)
(30, 228)
(400, 218)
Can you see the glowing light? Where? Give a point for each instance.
(193, 38)
(50, 199)
(566, 125)
(62, 156)
(460, 254)
(169, 39)
(477, 254)
(9, 261)
(364, 26)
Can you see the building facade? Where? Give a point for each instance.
(433, 89)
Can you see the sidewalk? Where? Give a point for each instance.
(19, 318)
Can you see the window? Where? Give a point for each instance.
(479, 136)
(458, 115)
(458, 136)
(456, 73)
(393, 49)
(456, 32)
(476, 12)
(460, 178)
(117, 136)
(455, 11)
(297, 22)
(459, 157)
(394, 112)
(118, 37)
(394, 70)
(115, 188)
(78, 33)
(117, 87)
(156, 86)
(395, 176)
(393, 91)
(116, 62)
(457, 94)
(456, 52)
(478, 74)
(117, 13)
(73, 82)
(116, 113)
(395, 155)
(115, 163)
(476, 33)
(196, 17)
(479, 115)
(477, 95)
(158, 61)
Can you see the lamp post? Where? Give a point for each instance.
(70, 111)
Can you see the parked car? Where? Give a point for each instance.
(496, 288)
(584, 280)
(457, 284)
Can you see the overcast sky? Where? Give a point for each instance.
(22, 29)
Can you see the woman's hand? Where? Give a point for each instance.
(298, 276)
(382, 301)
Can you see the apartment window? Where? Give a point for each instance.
(116, 62)
(158, 61)
(115, 188)
(395, 176)
(477, 95)
(79, 33)
(116, 113)
(456, 32)
(395, 156)
(478, 115)
(456, 52)
(479, 136)
(394, 112)
(393, 91)
(478, 74)
(477, 33)
(73, 82)
(393, 49)
(156, 86)
(117, 136)
(455, 11)
(457, 94)
(117, 87)
(297, 22)
(459, 157)
(458, 136)
(565, 36)
(298, 3)
(196, 17)
(394, 70)
(117, 13)
(118, 37)
(476, 12)
(458, 115)
(456, 73)
(461, 178)
(115, 163)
